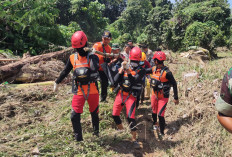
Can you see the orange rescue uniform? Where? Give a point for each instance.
(156, 75)
(82, 62)
(98, 46)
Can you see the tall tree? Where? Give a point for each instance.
(154, 30)
(65, 15)
(113, 8)
(133, 19)
(88, 14)
(210, 17)
(29, 25)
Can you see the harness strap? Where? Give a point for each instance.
(76, 58)
(136, 87)
(104, 51)
(162, 71)
(123, 102)
(85, 96)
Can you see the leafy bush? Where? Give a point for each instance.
(29, 26)
(67, 31)
(206, 35)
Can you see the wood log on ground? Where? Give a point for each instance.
(26, 85)
(12, 69)
(8, 60)
(42, 71)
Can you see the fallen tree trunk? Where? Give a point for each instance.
(12, 69)
(8, 60)
(26, 85)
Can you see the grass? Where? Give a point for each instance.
(42, 119)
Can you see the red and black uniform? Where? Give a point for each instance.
(104, 80)
(130, 85)
(161, 82)
(84, 88)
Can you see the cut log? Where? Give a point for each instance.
(12, 69)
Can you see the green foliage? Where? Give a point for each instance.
(29, 25)
(65, 16)
(156, 18)
(113, 8)
(89, 16)
(67, 31)
(7, 51)
(35, 26)
(133, 20)
(199, 23)
(199, 34)
(142, 38)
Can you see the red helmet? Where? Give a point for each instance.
(78, 39)
(135, 54)
(160, 56)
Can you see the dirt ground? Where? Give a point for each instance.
(36, 117)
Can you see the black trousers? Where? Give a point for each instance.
(143, 92)
(104, 84)
(76, 123)
(138, 98)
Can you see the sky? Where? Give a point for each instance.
(230, 2)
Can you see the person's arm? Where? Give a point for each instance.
(65, 72)
(113, 61)
(149, 70)
(138, 77)
(119, 76)
(94, 62)
(147, 64)
(172, 81)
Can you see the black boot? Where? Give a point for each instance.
(154, 118)
(162, 124)
(155, 125)
(103, 99)
(76, 123)
(95, 123)
(78, 137)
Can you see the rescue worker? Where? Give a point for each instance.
(161, 81)
(126, 51)
(148, 52)
(224, 102)
(130, 43)
(85, 66)
(129, 79)
(104, 47)
(116, 61)
(145, 64)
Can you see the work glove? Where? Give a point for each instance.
(93, 50)
(176, 102)
(125, 65)
(55, 89)
(107, 60)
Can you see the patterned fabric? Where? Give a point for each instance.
(226, 87)
(224, 102)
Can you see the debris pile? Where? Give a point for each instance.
(43, 71)
(196, 53)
